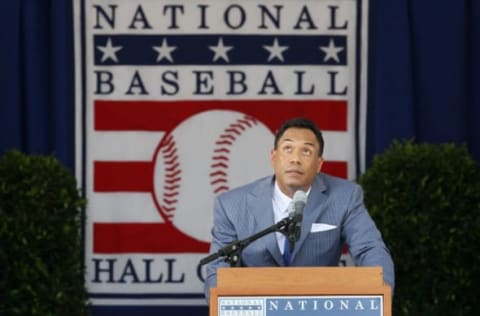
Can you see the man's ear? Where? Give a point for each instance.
(272, 155)
(320, 164)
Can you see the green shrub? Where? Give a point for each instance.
(41, 249)
(425, 199)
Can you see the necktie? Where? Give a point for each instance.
(286, 252)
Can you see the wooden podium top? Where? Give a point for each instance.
(308, 280)
(301, 281)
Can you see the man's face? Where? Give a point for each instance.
(296, 160)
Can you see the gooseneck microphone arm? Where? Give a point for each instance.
(290, 226)
(232, 251)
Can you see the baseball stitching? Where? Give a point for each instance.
(221, 153)
(172, 176)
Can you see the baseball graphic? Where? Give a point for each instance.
(205, 155)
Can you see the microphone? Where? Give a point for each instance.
(296, 213)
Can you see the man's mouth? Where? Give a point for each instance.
(299, 172)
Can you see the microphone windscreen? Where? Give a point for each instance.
(300, 197)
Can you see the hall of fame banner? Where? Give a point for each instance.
(177, 102)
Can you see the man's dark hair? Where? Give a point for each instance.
(300, 122)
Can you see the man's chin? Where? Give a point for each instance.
(294, 186)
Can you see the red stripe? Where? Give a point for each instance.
(143, 238)
(166, 115)
(336, 168)
(134, 176)
(129, 176)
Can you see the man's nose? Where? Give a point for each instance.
(295, 157)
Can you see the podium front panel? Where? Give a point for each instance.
(305, 291)
(331, 305)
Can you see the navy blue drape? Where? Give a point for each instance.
(37, 78)
(424, 79)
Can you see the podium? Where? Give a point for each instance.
(306, 291)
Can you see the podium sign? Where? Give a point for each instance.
(306, 291)
(332, 305)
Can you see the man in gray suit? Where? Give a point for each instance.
(334, 214)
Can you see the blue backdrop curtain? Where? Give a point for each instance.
(37, 78)
(424, 76)
(424, 79)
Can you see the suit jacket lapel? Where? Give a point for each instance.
(262, 209)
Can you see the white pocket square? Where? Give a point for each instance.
(321, 227)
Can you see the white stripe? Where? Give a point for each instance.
(118, 146)
(339, 146)
(123, 207)
(78, 105)
(218, 12)
(141, 146)
(286, 78)
(363, 89)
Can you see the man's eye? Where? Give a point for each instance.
(287, 149)
(307, 152)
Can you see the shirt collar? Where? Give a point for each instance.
(281, 199)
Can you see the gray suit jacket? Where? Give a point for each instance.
(247, 210)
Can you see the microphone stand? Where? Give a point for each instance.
(232, 252)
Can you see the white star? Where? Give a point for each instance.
(275, 50)
(164, 51)
(109, 51)
(331, 51)
(220, 50)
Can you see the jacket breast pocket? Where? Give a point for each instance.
(323, 241)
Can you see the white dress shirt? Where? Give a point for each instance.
(280, 211)
(281, 203)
